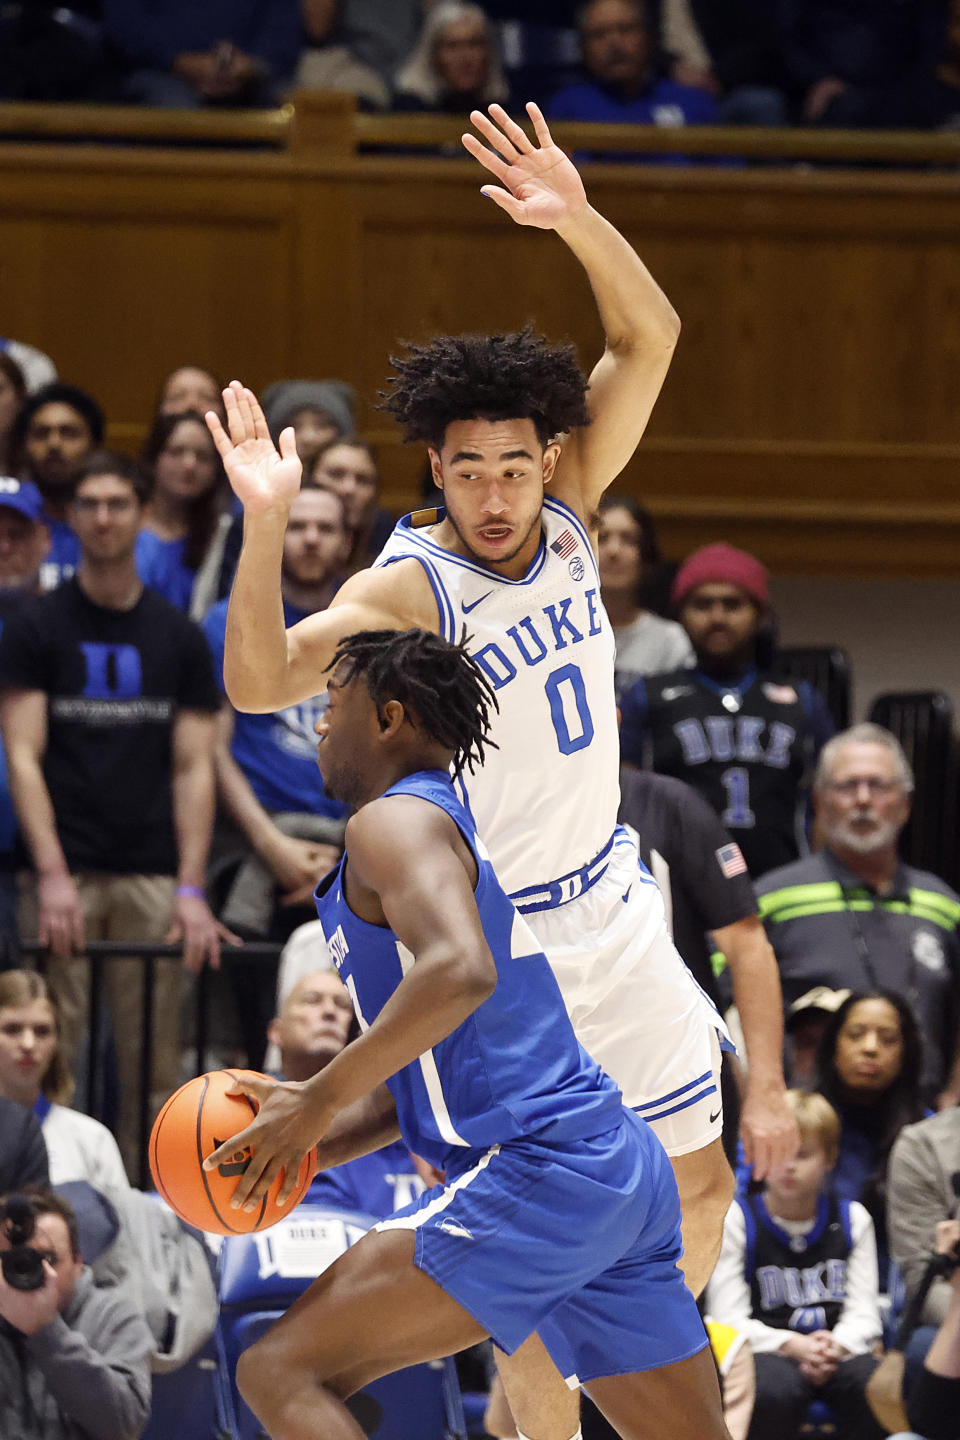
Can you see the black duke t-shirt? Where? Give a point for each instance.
(115, 680)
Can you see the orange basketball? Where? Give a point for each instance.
(194, 1122)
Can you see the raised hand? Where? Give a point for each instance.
(262, 477)
(541, 185)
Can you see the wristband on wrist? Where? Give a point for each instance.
(191, 892)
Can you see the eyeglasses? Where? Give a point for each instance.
(871, 783)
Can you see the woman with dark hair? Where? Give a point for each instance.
(190, 387)
(349, 468)
(13, 392)
(630, 566)
(34, 1074)
(868, 1067)
(180, 548)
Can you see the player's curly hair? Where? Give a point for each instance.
(486, 377)
(439, 683)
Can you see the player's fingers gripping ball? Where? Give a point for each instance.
(196, 1120)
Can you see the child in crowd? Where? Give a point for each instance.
(798, 1273)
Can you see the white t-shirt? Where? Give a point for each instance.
(648, 646)
(80, 1148)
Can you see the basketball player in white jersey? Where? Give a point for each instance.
(514, 562)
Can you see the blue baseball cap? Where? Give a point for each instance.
(23, 496)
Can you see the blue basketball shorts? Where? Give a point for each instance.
(577, 1240)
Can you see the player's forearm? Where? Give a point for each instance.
(366, 1125)
(255, 647)
(634, 311)
(757, 996)
(193, 805)
(35, 814)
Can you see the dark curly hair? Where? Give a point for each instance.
(486, 377)
(440, 683)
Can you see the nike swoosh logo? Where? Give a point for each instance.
(626, 894)
(716, 1114)
(467, 608)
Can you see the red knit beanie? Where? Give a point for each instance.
(721, 564)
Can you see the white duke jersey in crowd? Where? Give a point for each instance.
(546, 800)
(545, 805)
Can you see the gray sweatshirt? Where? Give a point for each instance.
(923, 1161)
(85, 1376)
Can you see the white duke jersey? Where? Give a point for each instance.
(546, 799)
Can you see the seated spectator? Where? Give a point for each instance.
(190, 387)
(74, 1359)
(288, 831)
(853, 916)
(108, 706)
(318, 410)
(34, 1072)
(798, 1274)
(730, 51)
(629, 558)
(37, 368)
(455, 66)
(868, 1067)
(224, 52)
(23, 1155)
(922, 1192)
(933, 1400)
(315, 1022)
(56, 432)
(13, 393)
(844, 58)
(803, 1028)
(349, 468)
(356, 45)
(186, 520)
(730, 727)
(622, 84)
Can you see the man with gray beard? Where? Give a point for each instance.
(854, 916)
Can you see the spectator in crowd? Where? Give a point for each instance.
(74, 1359)
(622, 82)
(290, 832)
(798, 1273)
(923, 1190)
(709, 898)
(730, 727)
(349, 467)
(854, 916)
(13, 393)
(844, 59)
(24, 541)
(805, 1022)
(933, 1400)
(318, 410)
(357, 45)
(629, 559)
(315, 1022)
(180, 546)
(23, 1155)
(56, 432)
(730, 51)
(37, 368)
(107, 708)
(455, 65)
(190, 387)
(223, 52)
(34, 1072)
(868, 1067)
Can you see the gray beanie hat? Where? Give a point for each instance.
(287, 397)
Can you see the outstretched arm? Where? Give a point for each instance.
(265, 666)
(540, 186)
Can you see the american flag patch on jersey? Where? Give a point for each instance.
(730, 858)
(565, 544)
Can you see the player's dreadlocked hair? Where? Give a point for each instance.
(441, 684)
(486, 377)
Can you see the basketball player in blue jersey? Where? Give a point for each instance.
(523, 446)
(559, 1210)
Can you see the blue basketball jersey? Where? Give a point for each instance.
(514, 1068)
